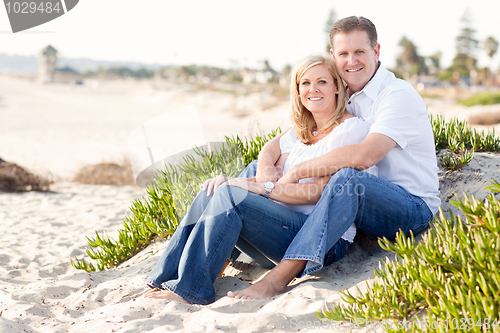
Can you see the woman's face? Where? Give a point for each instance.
(317, 90)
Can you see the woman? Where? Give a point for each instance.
(240, 213)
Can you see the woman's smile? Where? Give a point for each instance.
(317, 90)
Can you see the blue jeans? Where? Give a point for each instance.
(379, 208)
(204, 239)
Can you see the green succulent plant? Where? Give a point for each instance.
(447, 282)
(168, 198)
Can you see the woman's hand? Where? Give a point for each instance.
(268, 173)
(210, 185)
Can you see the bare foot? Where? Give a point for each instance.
(259, 290)
(164, 294)
(274, 283)
(150, 291)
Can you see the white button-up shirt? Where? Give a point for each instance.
(392, 107)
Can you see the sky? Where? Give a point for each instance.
(235, 33)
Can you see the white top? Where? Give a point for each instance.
(392, 107)
(351, 131)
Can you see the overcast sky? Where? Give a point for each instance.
(236, 33)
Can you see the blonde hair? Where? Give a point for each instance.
(302, 119)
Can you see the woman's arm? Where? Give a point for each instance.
(267, 163)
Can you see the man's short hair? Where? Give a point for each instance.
(354, 23)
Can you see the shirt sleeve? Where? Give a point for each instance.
(351, 132)
(398, 116)
(287, 141)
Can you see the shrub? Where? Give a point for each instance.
(452, 161)
(15, 178)
(106, 174)
(457, 136)
(485, 98)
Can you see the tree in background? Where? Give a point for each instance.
(464, 63)
(436, 63)
(491, 47)
(466, 42)
(409, 62)
(332, 18)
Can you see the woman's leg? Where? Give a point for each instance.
(167, 266)
(263, 223)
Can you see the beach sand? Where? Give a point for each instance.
(55, 130)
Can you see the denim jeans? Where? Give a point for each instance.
(204, 239)
(379, 208)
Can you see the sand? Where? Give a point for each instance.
(56, 129)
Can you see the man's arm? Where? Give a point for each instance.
(295, 194)
(360, 156)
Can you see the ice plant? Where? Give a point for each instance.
(447, 282)
(168, 198)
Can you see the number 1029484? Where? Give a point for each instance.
(32, 7)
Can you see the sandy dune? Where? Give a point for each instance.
(56, 129)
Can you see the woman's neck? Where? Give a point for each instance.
(320, 122)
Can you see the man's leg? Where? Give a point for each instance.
(378, 207)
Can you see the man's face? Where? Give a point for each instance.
(356, 60)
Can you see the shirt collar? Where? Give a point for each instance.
(372, 88)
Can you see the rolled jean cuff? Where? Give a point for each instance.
(184, 296)
(152, 284)
(313, 263)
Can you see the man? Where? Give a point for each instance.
(404, 196)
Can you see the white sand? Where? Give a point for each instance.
(57, 129)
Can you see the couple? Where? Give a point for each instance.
(316, 183)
